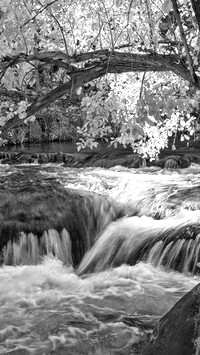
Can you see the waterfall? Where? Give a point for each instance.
(34, 211)
(172, 242)
(182, 255)
(28, 249)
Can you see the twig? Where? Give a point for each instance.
(39, 12)
(59, 25)
(62, 32)
(129, 10)
(142, 84)
(111, 34)
(151, 29)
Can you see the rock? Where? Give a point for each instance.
(68, 159)
(52, 157)
(176, 161)
(192, 157)
(17, 158)
(171, 164)
(59, 157)
(178, 332)
(106, 158)
(29, 203)
(133, 161)
(42, 158)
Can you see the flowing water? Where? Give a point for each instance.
(136, 269)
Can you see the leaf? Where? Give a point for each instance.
(167, 6)
(10, 14)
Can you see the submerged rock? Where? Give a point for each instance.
(178, 332)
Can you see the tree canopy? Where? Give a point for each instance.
(141, 57)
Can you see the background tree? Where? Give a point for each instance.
(52, 49)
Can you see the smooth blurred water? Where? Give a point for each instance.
(50, 308)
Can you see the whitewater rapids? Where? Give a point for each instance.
(49, 307)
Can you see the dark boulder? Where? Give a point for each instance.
(59, 157)
(42, 158)
(52, 157)
(174, 162)
(171, 164)
(192, 157)
(17, 158)
(178, 332)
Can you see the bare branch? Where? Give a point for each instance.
(109, 25)
(151, 24)
(38, 12)
(129, 10)
(59, 25)
(196, 9)
(142, 84)
(189, 58)
(62, 32)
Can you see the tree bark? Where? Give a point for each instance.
(182, 33)
(196, 9)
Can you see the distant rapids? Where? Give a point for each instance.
(91, 258)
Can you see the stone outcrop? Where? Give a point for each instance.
(178, 332)
(106, 158)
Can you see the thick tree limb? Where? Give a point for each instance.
(103, 62)
(65, 61)
(132, 61)
(52, 96)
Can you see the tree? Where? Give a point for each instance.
(51, 49)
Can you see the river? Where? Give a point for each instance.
(110, 302)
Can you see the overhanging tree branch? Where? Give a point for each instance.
(97, 65)
(156, 62)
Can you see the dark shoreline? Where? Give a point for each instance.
(105, 158)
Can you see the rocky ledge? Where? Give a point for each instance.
(106, 158)
(178, 332)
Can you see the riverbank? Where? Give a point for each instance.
(105, 157)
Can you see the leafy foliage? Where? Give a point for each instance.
(52, 48)
(144, 117)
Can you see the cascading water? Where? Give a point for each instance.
(141, 238)
(28, 250)
(98, 281)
